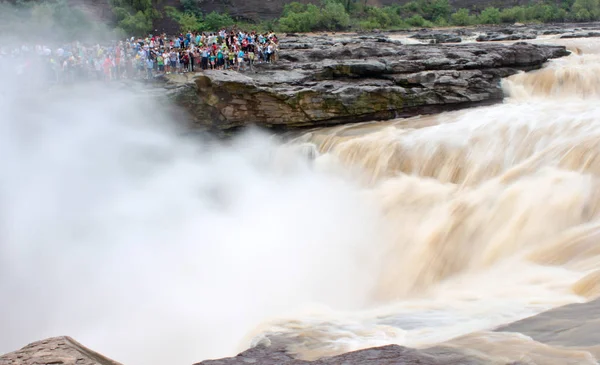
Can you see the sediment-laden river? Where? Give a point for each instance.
(492, 215)
(421, 231)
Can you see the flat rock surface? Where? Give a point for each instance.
(322, 80)
(55, 351)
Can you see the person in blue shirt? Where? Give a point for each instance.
(240, 59)
(149, 66)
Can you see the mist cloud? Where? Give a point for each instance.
(152, 248)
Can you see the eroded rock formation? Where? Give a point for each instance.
(56, 351)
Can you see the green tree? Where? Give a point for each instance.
(586, 10)
(462, 17)
(186, 20)
(293, 7)
(489, 16)
(513, 15)
(215, 21)
(191, 7)
(416, 21)
(134, 16)
(297, 22)
(438, 9)
(333, 16)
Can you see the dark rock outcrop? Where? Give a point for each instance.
(507, 34)
(324, 81)
(391, 354)
(56, 351)
(438, 37)
(581, 35)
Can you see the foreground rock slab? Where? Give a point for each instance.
(56, 351)
(572, 326)
(323, 81)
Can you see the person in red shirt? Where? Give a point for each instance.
(107, 65)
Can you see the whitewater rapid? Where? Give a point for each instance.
(152, 248)
(492, 216)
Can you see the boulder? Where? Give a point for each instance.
(504, 36)
(438, 37)
(56, 351)
(321, 81)
(581, 35)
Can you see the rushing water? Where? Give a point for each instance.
(492, 216)
(414, 231)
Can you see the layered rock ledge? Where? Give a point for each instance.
(323, 81)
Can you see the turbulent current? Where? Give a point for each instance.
(492, 215)
(152, 248)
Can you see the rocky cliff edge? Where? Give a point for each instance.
(320, 81)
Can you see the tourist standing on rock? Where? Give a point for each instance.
(191, 56)
(160, 62)
(204, 58)
(240, 59)
(148, 56)
(251, 57)
(220, 59)
(167, 60)
(185, 58)
(149, 67)
(173, 58)
(107, 65)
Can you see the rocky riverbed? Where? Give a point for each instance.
(507, 33)
(325, 80)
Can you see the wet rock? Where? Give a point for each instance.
(56, 351)
(581, 35)
(437, 37)
(574, 325)
(506, 35)
(392, 354)
(322, 81)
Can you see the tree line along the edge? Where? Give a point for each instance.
(136, 17)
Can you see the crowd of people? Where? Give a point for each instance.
(146, 57)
